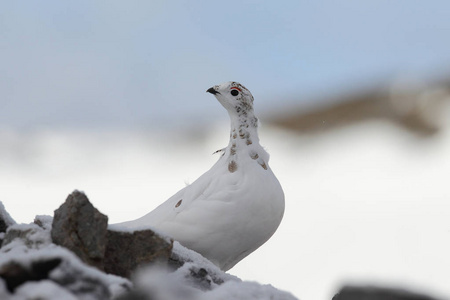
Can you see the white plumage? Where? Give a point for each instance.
(237, 205)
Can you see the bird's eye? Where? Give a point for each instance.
(234, 92)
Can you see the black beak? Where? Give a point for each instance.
(212, 91)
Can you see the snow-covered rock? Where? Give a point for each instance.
(28, 261)
(5, 221)
(32, 266)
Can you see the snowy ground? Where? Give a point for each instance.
(367, 204)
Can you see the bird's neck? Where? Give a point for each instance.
(244, 142)
(244, 129)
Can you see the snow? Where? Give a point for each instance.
(45, 221)
(189, 255)
(44, 289)
(31, 237)
(247, 290)
(165, 285)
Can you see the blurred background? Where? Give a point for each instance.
(353, 96)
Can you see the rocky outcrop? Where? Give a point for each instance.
(14, 274)
(125, 251)
(5, 219)
(378, 293)
(60, 269)
(81, 228)
(32, 267)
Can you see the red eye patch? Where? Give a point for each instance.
(236, 88)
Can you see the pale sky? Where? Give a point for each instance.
(116, 63)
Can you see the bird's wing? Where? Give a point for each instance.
(188, 202)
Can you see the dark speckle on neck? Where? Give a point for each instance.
(243, 134)
(233, 149)
(232, 166)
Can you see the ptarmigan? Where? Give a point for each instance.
(237, 205)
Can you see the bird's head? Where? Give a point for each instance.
(234, 97)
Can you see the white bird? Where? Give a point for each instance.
(236, 206)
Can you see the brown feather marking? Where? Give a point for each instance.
(233, 149)
(262, 163)
(232, 166)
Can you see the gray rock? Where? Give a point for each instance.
(80, 227)
(3, 225)
(125, 251)
(15, 274)
(377, 293)
(5, 219)
(65, 272)
(80, 282)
